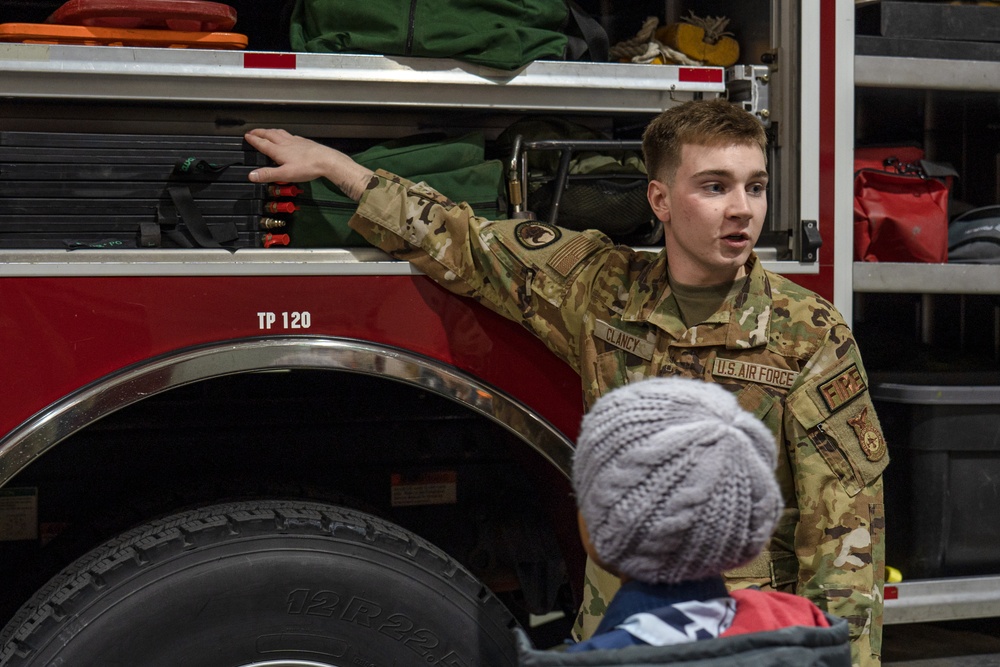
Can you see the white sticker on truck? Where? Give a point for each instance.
(284, 321)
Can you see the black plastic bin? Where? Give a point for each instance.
(943, 484)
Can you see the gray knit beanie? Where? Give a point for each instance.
(675, 481)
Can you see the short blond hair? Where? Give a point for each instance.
(710, 122)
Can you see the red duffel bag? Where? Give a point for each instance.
(900, 209)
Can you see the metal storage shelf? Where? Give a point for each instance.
(926, 278)
(237, 77)
(926, 73)
(923, 601)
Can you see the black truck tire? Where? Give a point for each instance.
(275, 582)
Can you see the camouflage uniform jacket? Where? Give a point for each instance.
(607, 311)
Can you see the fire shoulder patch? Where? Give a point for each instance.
(839, 391)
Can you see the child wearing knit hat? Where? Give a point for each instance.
(675, 485)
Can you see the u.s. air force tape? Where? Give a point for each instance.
(745, 370)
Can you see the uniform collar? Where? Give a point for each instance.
(742, 323)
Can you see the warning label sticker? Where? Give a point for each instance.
(424, 488)
(18, 514)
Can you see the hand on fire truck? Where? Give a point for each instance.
(300, 160)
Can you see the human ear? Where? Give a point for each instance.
(658, 195)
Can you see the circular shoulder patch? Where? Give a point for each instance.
(534, 235)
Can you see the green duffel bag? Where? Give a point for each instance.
(455, 167)
(505, 34)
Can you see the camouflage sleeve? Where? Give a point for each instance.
(528, 271)
(837, 451)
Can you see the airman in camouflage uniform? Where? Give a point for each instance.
(610, 312)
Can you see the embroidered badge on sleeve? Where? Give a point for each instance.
(534, 235)
(837, 392)
(868, 435)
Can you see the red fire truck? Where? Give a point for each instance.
(302, 456)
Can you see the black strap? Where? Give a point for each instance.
(585, 36)
(193, 170)
(183, 200)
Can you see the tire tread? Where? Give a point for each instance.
(147, 544)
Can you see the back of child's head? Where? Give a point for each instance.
(675, 481)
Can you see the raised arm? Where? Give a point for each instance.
(300, 159)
